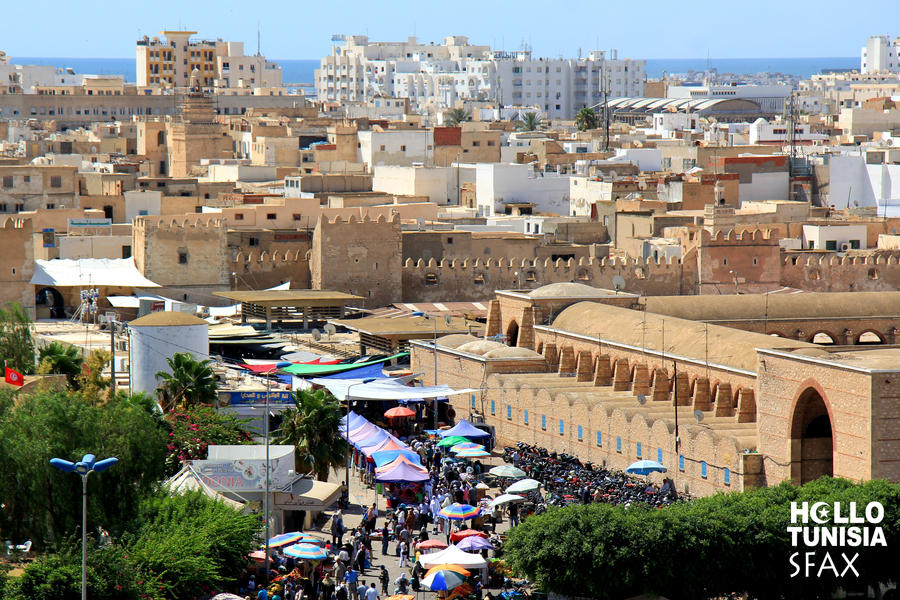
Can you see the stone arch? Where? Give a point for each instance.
(512, 333)
(540, 348)
(825, 338)
(866, 337)
(812, 436)
(51, 299)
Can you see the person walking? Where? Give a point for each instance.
(361, 590)
(372, 593)
(385, 580)
(404, 553)
(337, 529)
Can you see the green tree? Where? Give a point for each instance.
(42, 503)
(531, 121)
(191, 431)
(60, 358)
(312, 428)
(586, 119)
(192, 382)
(16, 343)
(456, 116)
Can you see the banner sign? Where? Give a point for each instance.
(244, 475)
(75, 223)
(277, 397)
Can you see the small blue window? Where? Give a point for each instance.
(619, 445)
(544, 422)
(473, 401)
(639, 448)
(492, 407)
(526, 416)
(681, 462)
(703, 469)
(562, 427)
(580, 433)
(727, 476)
(659, 455)
(599, 439)
(509, 411)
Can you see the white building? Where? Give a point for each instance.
(434, 77)
(880, 54)
(771, 98)
(24, 79)
(837, 238)
(778, 132)
(440, 184)
(402, 147)
(508, 188)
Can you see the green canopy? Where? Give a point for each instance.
(315, 370)
(452, 440)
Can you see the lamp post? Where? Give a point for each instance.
(87, 465)
(277, 366)
(347, 421)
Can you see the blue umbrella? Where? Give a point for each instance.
(645, 467)
(306, 552)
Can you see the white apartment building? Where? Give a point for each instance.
(880, 54)
(435, 77)
(400, 147)
(24, 79)
(771, 98)
(502, 188)
(778, 132)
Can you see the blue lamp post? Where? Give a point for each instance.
(279, 365)
(87, 465)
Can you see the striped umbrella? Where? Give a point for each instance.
(466, 446)
(461, 535)
(306, 552)
(460, 512)
(472, 453)
(507, 471)
(286, 538)
(443, 580)
(447, 567)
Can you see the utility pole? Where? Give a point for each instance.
(112, 358)
(604, 80)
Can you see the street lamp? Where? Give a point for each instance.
(87, 465)
(277, 366)
(347, 421)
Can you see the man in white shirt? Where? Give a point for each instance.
(372, 593)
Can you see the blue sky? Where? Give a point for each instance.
(302, 29)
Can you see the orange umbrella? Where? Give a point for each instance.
(459, 535)
(432, 543)
(400, 597)
(399, 411)
(454, 568)
(460, 591)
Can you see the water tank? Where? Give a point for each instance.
(157, 337)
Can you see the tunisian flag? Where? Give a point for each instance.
(13, 377)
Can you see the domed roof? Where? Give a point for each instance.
(567, 289)
(479, 347)
(455, 340)
(167, 318)
(509, 352)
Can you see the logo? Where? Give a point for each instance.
(835, 529)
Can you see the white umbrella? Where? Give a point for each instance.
(506, 499)
(525, 485)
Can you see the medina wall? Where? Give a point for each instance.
(16, 262)
(184, 252)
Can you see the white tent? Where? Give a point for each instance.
(89, 272)
(453, 556)
(384, 389)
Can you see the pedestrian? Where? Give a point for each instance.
(513, 514)
(327, 588)
(341, 592)
(385, 580)
(372, 593)
(337, 529)
(351, 577)
(385, 539)
(361, 590)
(404, 553)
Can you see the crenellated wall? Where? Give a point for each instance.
(188, 253)
(261, 270)
(476, 279)
(841, 274)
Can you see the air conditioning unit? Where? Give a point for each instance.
(845, 247)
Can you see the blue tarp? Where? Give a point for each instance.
(368, 372)
(465, 429)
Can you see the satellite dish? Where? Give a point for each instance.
(698, 414)
(642, 399)
(619, 283)
(316, 334)
(330, 329)
(448, 319)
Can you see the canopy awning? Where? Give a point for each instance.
(453, 556)
(89, 272)
(386, 389)
(464, 429)
(366, 372)
(308, 494)
(403, 472)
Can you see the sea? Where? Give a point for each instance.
(301, 71)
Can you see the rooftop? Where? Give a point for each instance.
(289, 297)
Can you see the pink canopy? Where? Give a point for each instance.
(403, 472)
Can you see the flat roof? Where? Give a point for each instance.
(409, 327)
(289, 297)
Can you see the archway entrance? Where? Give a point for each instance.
(512, 333)
(812, 438)
(49, 304)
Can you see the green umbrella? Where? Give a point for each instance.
(452, 440)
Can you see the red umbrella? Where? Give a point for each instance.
(459, 535)
(430, 544)
(399, 411)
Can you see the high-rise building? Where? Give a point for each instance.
(170, 63)
(437, 76)
(880, 54)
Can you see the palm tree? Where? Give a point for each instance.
(190, 383)
(62, 359)
(312, 428)
(531, 121)
(457, 116)
(586, 119)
